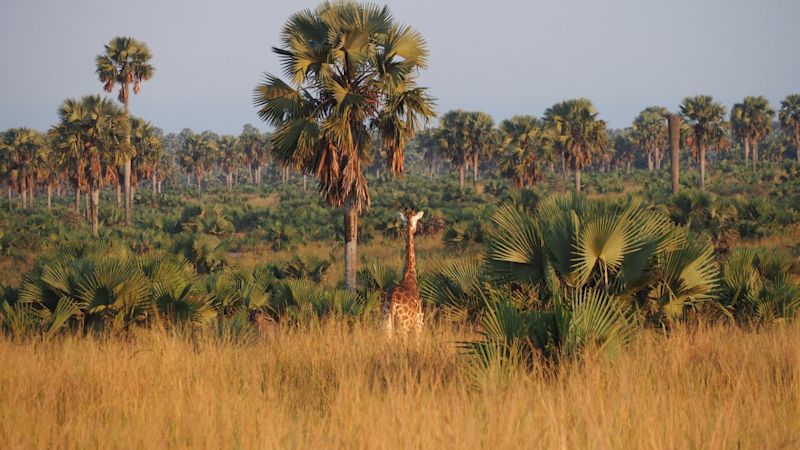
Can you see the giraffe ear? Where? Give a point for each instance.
(402, 216)
(418, 216)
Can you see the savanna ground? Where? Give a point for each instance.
(331, 386)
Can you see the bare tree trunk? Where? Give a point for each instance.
(474, 168)
(628, 167)
(154, 181)
(159, 186)
(87, 210)
(95, 210)
(49, 197)
(746, 151)
(24, 192)
(702, 167)
(755, 155)
(658, 158)
(128, 194)
(77, 200)
(30, 194)
(350, 245)
(119, 196)
(8, 189)
(577, 178)
(674, 124)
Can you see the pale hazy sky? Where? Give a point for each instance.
(503, 57)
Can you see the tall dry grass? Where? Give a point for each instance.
(331, 387)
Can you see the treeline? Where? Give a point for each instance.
(570, 137)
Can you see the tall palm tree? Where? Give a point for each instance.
(650, 131)
(125, 62)
(790, 119)
(751, 122)
(348, 65)
(707, 119)
(574, 127)
(94, 131)
(522, 139)
(21, 148)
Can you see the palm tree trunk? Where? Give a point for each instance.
(197, 179)
(87, 210)
(350, 245)
(674, 125)
(474, 168)
(154, 181)
(746, 151)
(49, 197)
(702, 167)
(77, 200)
(8, 189)
(461, 176)
(649, 161)
(24, 193)
(755, 155)
(577, 178)
(95, 210)
(658, 158)
(119, 196)
(30, 194)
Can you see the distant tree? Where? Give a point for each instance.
(255, 146)
(751, 123)
(21, 148)
(230, 157)
(94, 131)
(125, 62)
(650, 131)
(523, 141)
(707, 121)
(625, 148)
(147, 143)
(482, 139)
(454, 139)
(574, 127)
(197, 154)
(790, 119)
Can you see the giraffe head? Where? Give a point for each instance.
(410, 219)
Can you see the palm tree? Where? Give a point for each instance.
(707, 119)
(125, 62)
(482, 135)
(650, 131)
(751, 122)
(348, 65)
(230, 157)
(146, 141)
(197, 154)
(94, 132)
(522, 139)
(22, 147)
(454, 139)
(255, 147)
(574, 127)
(790, 119)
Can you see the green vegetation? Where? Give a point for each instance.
(227, 240)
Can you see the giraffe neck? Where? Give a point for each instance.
(410, 274)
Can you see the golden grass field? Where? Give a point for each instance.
(332, 386)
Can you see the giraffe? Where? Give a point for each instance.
(402, 305)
